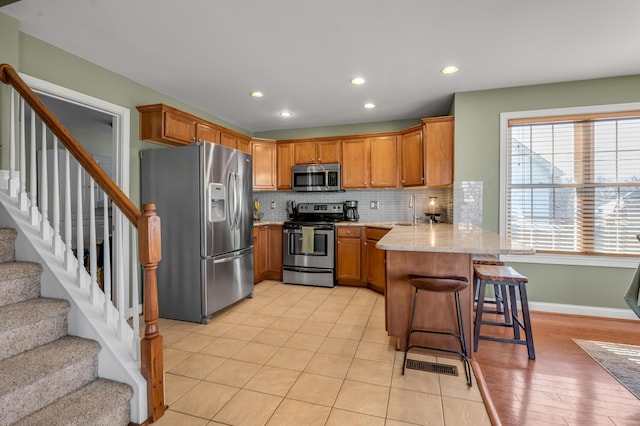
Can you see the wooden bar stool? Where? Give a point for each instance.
(440, 285)
(500, 291)
(504, 276)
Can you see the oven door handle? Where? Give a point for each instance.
(307, 271)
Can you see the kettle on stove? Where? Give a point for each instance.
(351, 211)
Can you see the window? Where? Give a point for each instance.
(571, 182)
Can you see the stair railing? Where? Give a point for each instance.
(112, 206)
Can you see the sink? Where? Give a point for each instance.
(404, 223)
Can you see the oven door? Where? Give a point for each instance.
(322, 255)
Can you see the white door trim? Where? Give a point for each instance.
(121, 118)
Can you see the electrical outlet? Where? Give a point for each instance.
(273, 205)
(374, 205)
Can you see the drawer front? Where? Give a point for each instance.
(349, 231)
(375, 233)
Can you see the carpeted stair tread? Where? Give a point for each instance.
(99, 403)
(7, 244)
(19, 281)
(36, 378)
(19, 314)
(31, 323)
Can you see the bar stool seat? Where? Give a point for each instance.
(508, 277)
(440, 285)
(499, 291)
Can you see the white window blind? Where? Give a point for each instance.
(573, 183)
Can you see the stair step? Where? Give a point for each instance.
(7, 244)
(101, 403)
(19, 281)
(36, 378)
(26, 325)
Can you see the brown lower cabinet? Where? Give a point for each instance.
(359, 262)
(267, 252)
(349, 255)
(375, 260)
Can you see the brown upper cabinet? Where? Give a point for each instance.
(370, 162)
(264, 164)
(317, 152)
(166, 125)
(285, 153)
(438, 146)
(412, 146)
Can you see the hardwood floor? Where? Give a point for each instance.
(564, 385)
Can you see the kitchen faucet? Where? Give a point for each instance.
(412, 203)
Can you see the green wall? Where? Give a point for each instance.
(477, 158)
(8, 54)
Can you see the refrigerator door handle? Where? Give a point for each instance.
(236, 256)
(238, 200)
(230, 201)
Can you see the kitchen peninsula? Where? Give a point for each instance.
(435, 250)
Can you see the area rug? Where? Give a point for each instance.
(621, 361)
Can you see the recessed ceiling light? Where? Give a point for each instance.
(257, 94)
(357, 81)
(451, 69)
(285, 114)
(369, 105)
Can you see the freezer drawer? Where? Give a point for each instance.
(227, 279)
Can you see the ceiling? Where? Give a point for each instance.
(302, 54)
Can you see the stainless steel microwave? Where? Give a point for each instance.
(315, 177)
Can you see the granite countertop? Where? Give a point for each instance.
(447, 238)
(267, 222)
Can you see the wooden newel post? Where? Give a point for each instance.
(151, 346)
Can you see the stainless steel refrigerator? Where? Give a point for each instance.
(204, 197)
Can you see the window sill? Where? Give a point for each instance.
(569, 260)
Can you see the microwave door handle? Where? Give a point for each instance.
(326, 179)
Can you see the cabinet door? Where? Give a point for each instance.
(264, 165)
(412, 159)
(275, 252)
(229, 140)
(438, 136)
(244, 145)
(349, 257)
(304, 152)
(384, 162)
(284, 161)
(179, 128)
(206, 133)
(376, 271)
(328, 152)
(355, 170)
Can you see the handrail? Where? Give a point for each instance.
(8, 75)
(149, 247)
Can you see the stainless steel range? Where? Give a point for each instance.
(309, 244)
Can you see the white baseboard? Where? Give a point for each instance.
(592, 311)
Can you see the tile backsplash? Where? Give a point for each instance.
(393, 204)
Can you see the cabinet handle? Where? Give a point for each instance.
(365, 243)
(402, 180)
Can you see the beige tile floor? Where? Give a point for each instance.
(296, 355)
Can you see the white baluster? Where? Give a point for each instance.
(122, 322)
(33, 175)
(22, 197)
(106, 259)
(93, 256)
(135, 298)
(14, 181)
(45, 229)
(57, 240)
(68, 225)
(80, 232)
